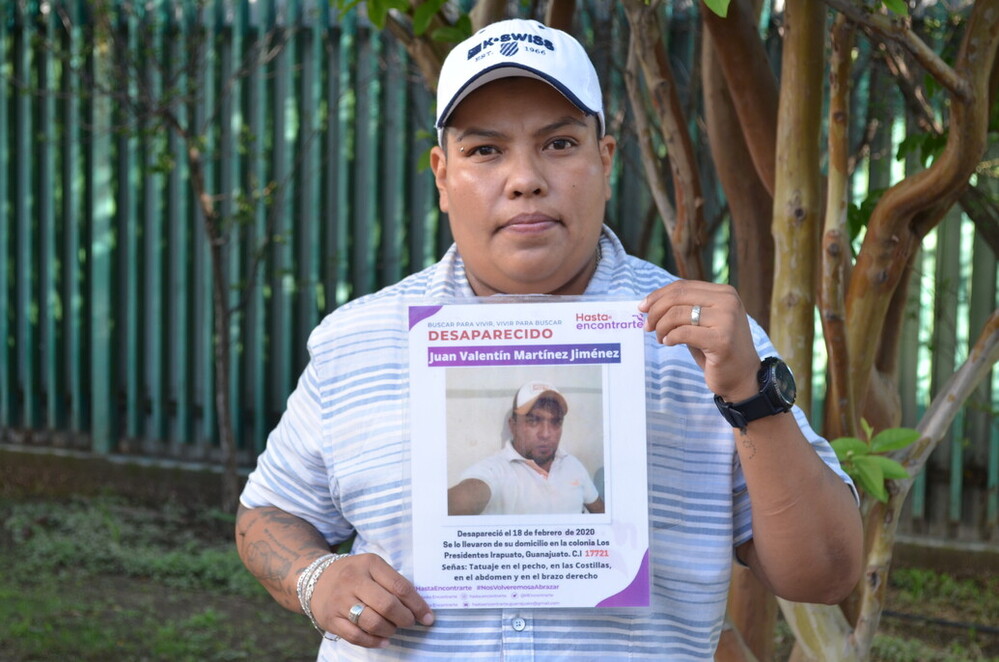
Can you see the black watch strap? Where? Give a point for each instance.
(740, 414)
(776, 396)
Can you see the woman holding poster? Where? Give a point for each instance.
(734, 469)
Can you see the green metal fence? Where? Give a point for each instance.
(312, 128)
(311, 131)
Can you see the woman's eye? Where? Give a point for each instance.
(481, 150)
(561, 144)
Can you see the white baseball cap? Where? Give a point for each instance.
(529, 393)
(518, 47)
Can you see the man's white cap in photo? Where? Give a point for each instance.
(518, 47)
(529, 393)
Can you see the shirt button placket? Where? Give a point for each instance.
(518, 636)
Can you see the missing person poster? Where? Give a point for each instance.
(528, 453)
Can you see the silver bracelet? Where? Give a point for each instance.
(307, 584)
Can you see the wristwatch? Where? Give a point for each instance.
(777, 391)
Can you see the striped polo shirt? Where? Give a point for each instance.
(340, 459)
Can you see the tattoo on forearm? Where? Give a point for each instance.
(747, 443)
(270, 566)
(279, 544)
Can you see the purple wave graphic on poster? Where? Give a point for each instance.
(419, 313)
(636, 594)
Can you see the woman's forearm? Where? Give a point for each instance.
(276, 547)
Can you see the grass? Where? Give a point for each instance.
(104, 578)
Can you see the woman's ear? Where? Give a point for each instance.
(608, 144)
(438, 163)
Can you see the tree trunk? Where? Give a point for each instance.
(750, 204)
(746, 68)
(221, 315)
(223, 365)
(840, 403)
(797, 198)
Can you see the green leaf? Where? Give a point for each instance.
(891, 469)
(423, 164)
(870, 477)
(928, 146)
(897, 7)
(866, 427)
(377, 12)
(858, 216)
(893, 439)
(848, 447)
(461, 30)
(345, 6)
(719, 7)
(425, 13)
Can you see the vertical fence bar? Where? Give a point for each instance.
(232, 18)
(127, 216)
(944, 344)
(49, 271)
(979, 417)
(101, 216)
(71, 173)
(256, 179)
(26, 268)
(283, 273)
(390, 179)
(307, 224)
(915, 338)
(6, 362)
(179, 221)
(337, 149)
(992, 470)
(367, 115)
(155, 318)
(908, 380)
(421, 212)
(204, 100)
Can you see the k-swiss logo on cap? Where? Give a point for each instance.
(511, 40)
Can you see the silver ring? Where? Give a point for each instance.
(695, 315)
(355, 613)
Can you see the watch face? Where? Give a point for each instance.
(784, 381)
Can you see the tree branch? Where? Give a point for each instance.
(687, 234)
(746, 68)
(487, 11)
(912, 207)
(749, 203)
(984, 213)
(897, 29)
(841, 414)
(655, 174)
(935, 424)
(560, 13)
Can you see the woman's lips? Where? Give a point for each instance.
(528, 223)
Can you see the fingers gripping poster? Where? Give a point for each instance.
(528, 453)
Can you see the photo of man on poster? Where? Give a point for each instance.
(532, 473)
